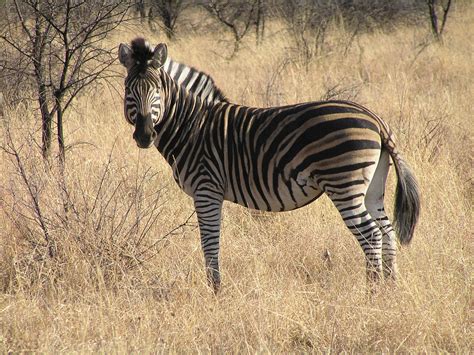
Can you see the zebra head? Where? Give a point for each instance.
(143, 101)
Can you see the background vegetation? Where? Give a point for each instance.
(103, 254)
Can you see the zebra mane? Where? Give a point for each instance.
(142, 53)
(219, 95)
(194, 81)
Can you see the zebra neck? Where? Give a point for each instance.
(181, 119)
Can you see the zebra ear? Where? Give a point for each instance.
(125, 55)
(159, 55)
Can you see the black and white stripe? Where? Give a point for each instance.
(194, 81)
(277, 159)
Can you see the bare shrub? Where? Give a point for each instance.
(367, 15)
(236, 16)
(272, 92)
(438, 15)
(346, 91)
(307, 23)
(167, 12)
(55, 49)
(105, 234)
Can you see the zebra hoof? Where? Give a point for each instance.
(214, 280)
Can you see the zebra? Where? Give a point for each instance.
(194, 81)
(271, 159)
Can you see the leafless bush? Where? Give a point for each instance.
(237, 16)
(260, 18)
(168, 12)
(2, 104)
(435, 132)
(366, 15)
(348, 91)
(307, 23)
(436, 8)
(55, 49)
(108, 228)
(140, 8)
(272, 93)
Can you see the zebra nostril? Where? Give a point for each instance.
(153, 135)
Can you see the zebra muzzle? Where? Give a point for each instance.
(145, 133)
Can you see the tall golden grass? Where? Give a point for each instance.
(127, 272)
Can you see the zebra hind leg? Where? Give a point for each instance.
(364, 227)
(374, 201)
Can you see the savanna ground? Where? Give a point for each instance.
(127, 272)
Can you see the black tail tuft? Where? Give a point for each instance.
(407, 202)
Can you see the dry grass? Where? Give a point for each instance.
(120, 282)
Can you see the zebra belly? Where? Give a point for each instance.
(281, 194)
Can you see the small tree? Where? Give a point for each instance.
(260, 15)
(435, 8)
(58, 51)
(237, 16)
(307, 23)
(140, 8)
(168, 12)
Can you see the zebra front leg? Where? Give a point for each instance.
(208, 210)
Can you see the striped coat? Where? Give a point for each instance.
(272, 159)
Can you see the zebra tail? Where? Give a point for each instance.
(407, 194)
(407, 200)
